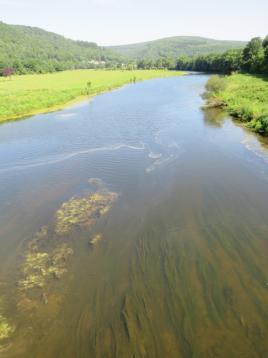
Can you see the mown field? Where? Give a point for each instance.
(30, 94)
(245, 97)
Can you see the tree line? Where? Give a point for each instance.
(26, 50)
(252, 59)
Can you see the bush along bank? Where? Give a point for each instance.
(244, 96)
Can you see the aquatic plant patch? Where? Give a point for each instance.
(48, 253)
(40, 266)
(95, 239)
(5, 329)
(47, 258)
(82, 211)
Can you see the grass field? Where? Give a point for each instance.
(246, 97)
(31, 94)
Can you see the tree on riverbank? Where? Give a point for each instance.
(244, 96)
(253, 56)
(252, 59)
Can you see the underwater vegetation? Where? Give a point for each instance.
(82, 211)
(39, 266)
(5, 329)
(43, 262)
(96, 239)
(48, 254)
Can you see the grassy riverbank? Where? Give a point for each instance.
(31, 94)
(245, 97)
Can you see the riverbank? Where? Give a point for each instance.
(142, 199)
(244, 96)
(27, 95)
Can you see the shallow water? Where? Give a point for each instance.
(181, 270)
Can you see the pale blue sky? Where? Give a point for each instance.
(109, 22)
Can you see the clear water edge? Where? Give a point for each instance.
(182, 270)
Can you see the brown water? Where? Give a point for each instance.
(181, 270)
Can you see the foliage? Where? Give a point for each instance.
(220, 63)
(260, 124)
(265, 42)
(215, 84)
(32, 50)
(253, 56)
(173, 47)
(245, 97)
(161, 63)
(253, 59)
(8, 72)
(30, 94)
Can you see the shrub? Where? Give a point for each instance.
(8, 71)
(215, 84)
(260, 124)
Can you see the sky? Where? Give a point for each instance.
(114, 22)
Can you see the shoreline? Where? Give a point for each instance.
(80, 97)
(243, 97)
(59, 107)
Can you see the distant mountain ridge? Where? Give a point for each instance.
(33, 50)
(175, 46)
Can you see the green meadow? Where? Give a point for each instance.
(31, 94)
(245, 97)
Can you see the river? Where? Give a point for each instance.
(172, 262)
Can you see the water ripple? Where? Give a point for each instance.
(62, 157)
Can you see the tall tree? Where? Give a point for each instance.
(253, 56)
(265, 42)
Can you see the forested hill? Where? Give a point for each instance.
(174, 47)
(30, 49)
(25, 49)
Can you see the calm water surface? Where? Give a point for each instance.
(182, 268)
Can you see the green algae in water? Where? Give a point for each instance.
(96, 239)
(5, 329)
(47, 256)
(82, 211)
(40, 266)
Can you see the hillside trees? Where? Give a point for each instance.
(32, 50)
(253, 56)
(252, 59)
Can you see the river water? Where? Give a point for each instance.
(181, 268)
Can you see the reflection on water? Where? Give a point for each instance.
(214, 116)
(162, 254)
(256, 144)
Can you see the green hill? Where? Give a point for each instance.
(33, 50)
(174, 47)
(30, 49)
